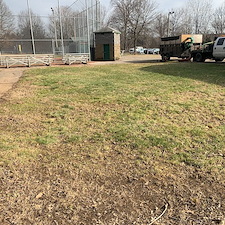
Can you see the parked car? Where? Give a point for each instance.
(156, 50)
(131, 50)
(139, 50)
(150, 51)
(153, 51)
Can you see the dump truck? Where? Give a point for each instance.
(188, 46)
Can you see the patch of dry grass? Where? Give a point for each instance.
(114, 145)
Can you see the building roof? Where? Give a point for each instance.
(107, 30)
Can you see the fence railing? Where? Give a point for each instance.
(76, 58)
(26, 60)
(47, 60)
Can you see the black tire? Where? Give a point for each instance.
(165, 57)
(199, 57)
(219, 60)
(194, 58)
(168, 57)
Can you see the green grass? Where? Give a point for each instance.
(170, 112)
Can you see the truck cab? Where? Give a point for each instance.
(211, 50)
(219, 49)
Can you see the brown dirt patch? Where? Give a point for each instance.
(109, 192)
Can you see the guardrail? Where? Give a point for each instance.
(26, 60)
(71, 58)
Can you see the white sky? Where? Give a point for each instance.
(43, 7)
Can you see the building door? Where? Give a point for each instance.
(106, 52)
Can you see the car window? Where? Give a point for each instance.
(220, 41)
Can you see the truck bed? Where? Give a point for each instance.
(171, 50)
(179, 46)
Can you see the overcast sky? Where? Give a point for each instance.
(43, 7)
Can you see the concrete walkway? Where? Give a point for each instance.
(8, 77)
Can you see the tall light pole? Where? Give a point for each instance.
(98, 14)
(74, 27)
(168, 28)
(61, 29)
(31, 28)
(88, 28)
(56, 41)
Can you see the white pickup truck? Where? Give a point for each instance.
(212, 50)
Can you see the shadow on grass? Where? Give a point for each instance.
(213, 73)
(145, 61)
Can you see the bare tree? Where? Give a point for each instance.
(142, 15)
(199, 14)
(101, 16)
(24, 28)
(6, 20)
(68, 20)
(161, 25)
(218, 22)
(120, 18)
(180, 22)
(133, 18)
(6, 23)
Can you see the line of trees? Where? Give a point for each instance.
(141, 23)
(23, 28)
(42, 29)
(6, 23)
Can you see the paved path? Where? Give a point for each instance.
(8, 77)
(131, 59)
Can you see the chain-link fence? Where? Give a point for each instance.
(67, 29)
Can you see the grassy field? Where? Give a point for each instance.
(115, 144)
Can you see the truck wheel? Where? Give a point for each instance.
(194, 58)
(219, 60)
(165, 58)
(199, 57)
(168, 57)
